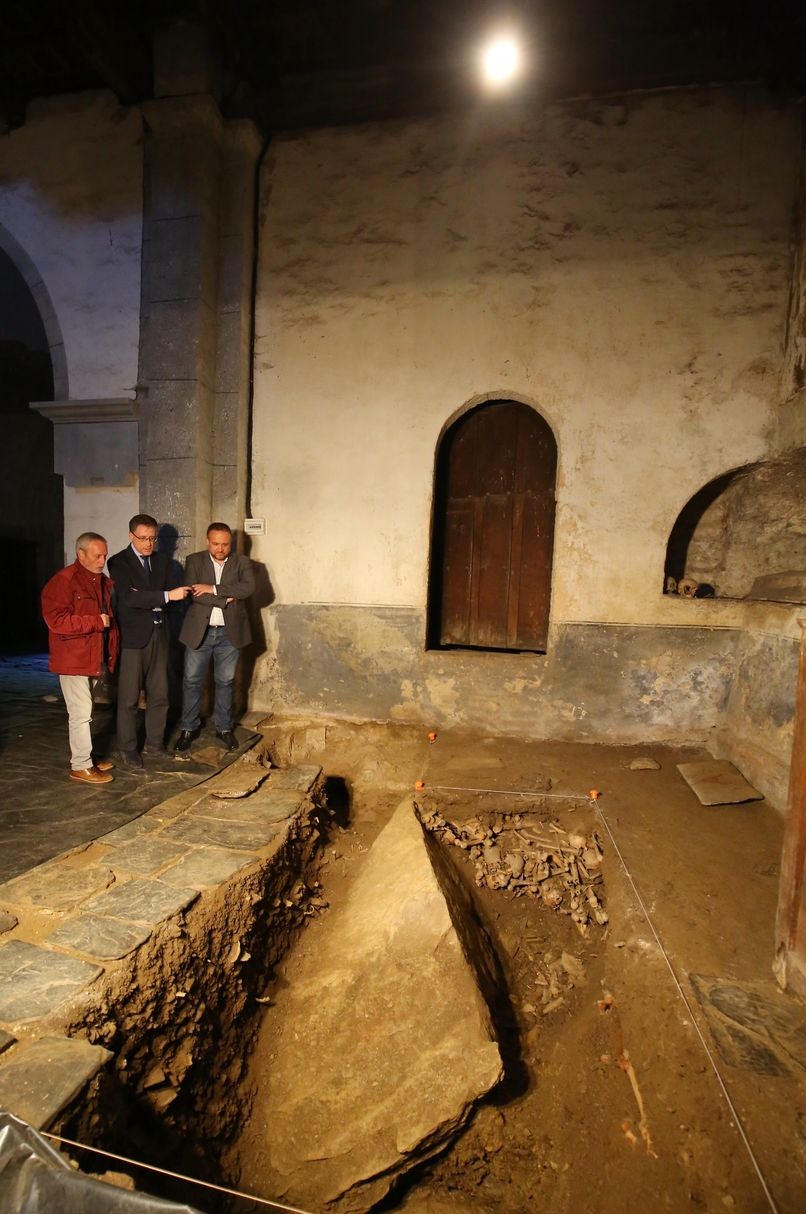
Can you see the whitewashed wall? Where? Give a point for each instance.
(71, 199)
(624, 268)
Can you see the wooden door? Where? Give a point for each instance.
(494, 530)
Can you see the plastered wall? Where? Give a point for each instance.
(624, 268)
(71, 200)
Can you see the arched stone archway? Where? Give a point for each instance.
(31, 523)
(28, 272)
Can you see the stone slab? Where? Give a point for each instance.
(100, 937)
(56, 887)
(388, 1026)
(38, 1080)
(241, 836)
(34, 980)
(297, 779)
(261, 807)
(130, 830)
(206, 866)
(142, 901)
(718, 782)
(146, 855)
(238, 780)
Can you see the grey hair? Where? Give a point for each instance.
(86, 538)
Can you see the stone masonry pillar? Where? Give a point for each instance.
(195, 308)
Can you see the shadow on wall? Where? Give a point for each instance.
(263, 597)
(744, 534)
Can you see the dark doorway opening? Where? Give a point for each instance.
(493, 531)
(32, 517)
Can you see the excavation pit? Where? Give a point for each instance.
(585, 1022)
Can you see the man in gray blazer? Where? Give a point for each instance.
(216, 627)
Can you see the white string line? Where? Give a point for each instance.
(149, 1167)
(512, 792)
(737, 1119)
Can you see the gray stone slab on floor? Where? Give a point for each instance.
(101, 937)
(242, 836)
(56, 886)
(146, 855)
(295, 779)
(142, 901)
(42, 811)
(260, 807)
(206, 866)
(34, 980)
(38, 1080)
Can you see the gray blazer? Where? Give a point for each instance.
(237, 582)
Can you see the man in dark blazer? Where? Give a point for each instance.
(145, 584)
(216, 627)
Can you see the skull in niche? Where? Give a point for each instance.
(671, 585)
(687, 586)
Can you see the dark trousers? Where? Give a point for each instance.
(144, 668)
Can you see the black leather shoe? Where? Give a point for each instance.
(183, 742)
(131, 760)
(228, 738)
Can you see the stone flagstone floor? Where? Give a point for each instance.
(42, 811)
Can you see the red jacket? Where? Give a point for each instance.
(72, 604)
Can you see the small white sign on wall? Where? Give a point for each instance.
(254, 526)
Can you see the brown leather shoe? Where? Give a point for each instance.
(104, 765)
(91, 775)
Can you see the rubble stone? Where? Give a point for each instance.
(393, 1036)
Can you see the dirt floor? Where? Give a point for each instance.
(650, 1063)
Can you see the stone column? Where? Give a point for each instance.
(197, 255)
(240, 154)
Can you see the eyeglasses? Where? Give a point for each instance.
(145, 539)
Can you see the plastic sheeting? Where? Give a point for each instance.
(35, 1179)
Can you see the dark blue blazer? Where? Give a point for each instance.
(136, 596)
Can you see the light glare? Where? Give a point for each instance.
(500, 61)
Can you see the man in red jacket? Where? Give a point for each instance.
(83, 642)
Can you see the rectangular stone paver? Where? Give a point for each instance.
(38, 1080)
(238, 780)
(206, 866)
(100, 937)
(260, 807)
(55, 886)
(34, 980)
(130, 830)
(146, 855)
(297, 779)
(243, 836)
(142, 901)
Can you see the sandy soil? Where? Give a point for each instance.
(670, 1073)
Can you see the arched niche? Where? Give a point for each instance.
(23, 267)
(744, 533)
(492, 537)
(32, 520)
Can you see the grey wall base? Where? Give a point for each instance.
(598, 683)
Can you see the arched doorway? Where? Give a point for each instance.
(493, 530)
(31, 526)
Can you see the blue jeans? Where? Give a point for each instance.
(214, 645)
